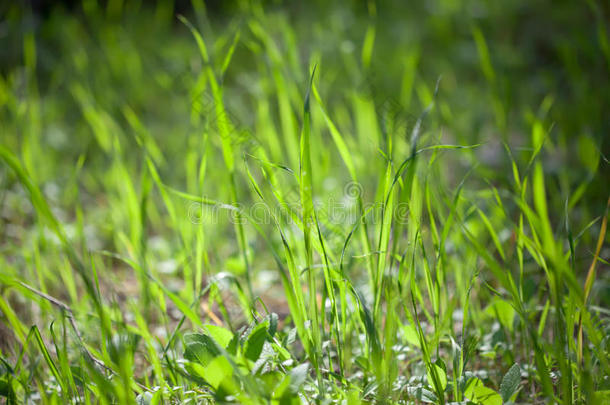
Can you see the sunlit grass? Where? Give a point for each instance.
(273, 207)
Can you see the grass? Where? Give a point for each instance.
(271, 204)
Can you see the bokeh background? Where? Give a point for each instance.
(92, 94)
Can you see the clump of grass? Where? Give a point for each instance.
(276, 207)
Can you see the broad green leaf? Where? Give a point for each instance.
(200, 348)
(221, 335)
(281, 389)
(255, 342)
(423, 395)
(480, 394)
(510, 382)
(298, 375)
(353, 397)
(441, 374)
(217, 370)
(271, 381)
(487, 396)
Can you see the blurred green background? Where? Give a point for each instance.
(74, 72)
(90, 90)
(138, 54)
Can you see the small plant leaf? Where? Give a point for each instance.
(423, 395)
(298, 375)
(200, 348)
(254, 344)
(479, 394)
(510, 382)
(441, 374)
(217, 371)
(273, 319)
(487, 396)
(221, 335)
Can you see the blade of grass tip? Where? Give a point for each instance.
(162, 189)
(484, 58)
(253, 182)
(270, 164)
(229, 55)
(369, 37)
